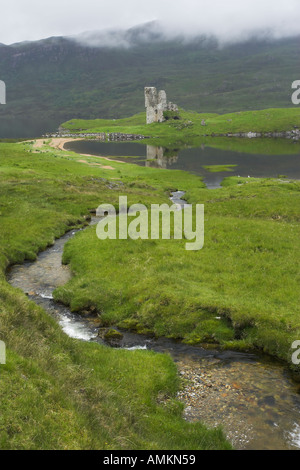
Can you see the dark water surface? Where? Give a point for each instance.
(195, 159)
(25, 126)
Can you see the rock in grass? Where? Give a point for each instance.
(113, 337)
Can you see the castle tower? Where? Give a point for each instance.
(156, 104)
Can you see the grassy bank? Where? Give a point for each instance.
(239, 291)
(192, 124)
(59, 393)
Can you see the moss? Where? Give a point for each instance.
(218, 168)
(113, 334)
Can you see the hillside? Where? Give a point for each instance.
(57, 79)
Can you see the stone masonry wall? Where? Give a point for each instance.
(156, 104)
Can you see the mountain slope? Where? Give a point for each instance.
(57, 79)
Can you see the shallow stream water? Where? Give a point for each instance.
(252, 397)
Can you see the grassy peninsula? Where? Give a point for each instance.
(192, 124)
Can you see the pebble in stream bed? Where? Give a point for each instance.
(248, 412)
(207, 397)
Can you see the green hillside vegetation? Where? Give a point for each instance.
(65, 80)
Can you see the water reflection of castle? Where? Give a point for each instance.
(159, 157)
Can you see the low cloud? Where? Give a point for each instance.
(152, 31)
(228, 21)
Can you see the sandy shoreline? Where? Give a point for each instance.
(56, 142)
(59, 143)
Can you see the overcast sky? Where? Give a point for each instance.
(22, 20)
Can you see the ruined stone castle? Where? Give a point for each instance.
(156, 104)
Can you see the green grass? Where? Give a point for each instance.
(189, 127)
(241, 291)
(247, 273)
(218, 168)
(59, 393)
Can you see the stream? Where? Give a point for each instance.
(254, 398)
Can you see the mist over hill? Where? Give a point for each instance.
(103, 74)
